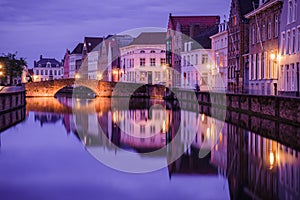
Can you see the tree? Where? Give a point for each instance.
(12, 66)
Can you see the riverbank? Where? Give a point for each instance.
(11, 98)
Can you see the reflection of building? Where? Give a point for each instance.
(178, 28)
(219, 43)
(238, 44)
(289, 49)
(143, 60)
(47, 118)
(197, 60)
(263, 47)
(47, 69)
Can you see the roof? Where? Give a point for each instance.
(246, 6)
(92, 42)
(150, 38)
(78, 49)
(203, 39)
(43, 62)
(187, 21)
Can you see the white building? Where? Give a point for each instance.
(219, 43)
(75, 60)
(289, 49)
(47, 69)
(144, 60)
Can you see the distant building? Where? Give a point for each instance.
(289, 49)
(144, 60)
(238, 45)
(75, 60)
(47, 69)
(66, 64)
(197, 60)
(219, 69)
(264, 24)
(178, 28)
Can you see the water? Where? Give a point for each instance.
(54, 154)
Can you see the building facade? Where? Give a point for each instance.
(179, 28)
(219, 69)
(47, 69)
(66, 64)
(197, 61)
(238, 45)
(144, 60)
(289, 52)
(263, 47)
(75, 60)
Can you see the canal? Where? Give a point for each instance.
(142, 149)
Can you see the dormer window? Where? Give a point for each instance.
(48, 64)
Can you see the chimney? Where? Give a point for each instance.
(34, 64)
(41, 57)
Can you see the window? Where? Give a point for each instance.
(270, 30)
(293, 41)
(55, 72)
(37, 72)
(46, 72)
(143, 76)
(132, 62)
(157, 76)
(196, 58)
(263, 65)
(142, 62)
(162, 61)
(152, 51)
(253, 34)
(288, 41)
(282, 43)
(298, 39)
(290, 11)
(234, 21)
(184, 61)
(142, 51)
(152, 61)
(276, 25)
(188, 61)
(162, 51)
(42, 72)
(256, 66)
(295, 10)
(204, 59)
(264, 32)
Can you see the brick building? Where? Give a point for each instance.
(263, 47)
(238, 45)
(180, 27)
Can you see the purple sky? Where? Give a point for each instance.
(35, 27)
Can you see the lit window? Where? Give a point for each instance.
(162, 61)
(204, 59)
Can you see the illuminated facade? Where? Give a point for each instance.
(144, 60)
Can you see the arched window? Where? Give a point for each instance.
(142, 51)
(48, 64)
(152, 51)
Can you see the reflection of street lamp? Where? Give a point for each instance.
(77, 76)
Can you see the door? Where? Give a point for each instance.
(149, 77)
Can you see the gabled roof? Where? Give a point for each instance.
(150, 38)
(203, 40)
(92, 42)
(78, 49)
(246, 6)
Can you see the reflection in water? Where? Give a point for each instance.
(247, 165)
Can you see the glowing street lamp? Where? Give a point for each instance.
(77, 76)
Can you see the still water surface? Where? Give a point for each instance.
(48, 155)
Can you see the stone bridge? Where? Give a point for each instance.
(101, 88)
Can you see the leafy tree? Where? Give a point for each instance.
(12, 66)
